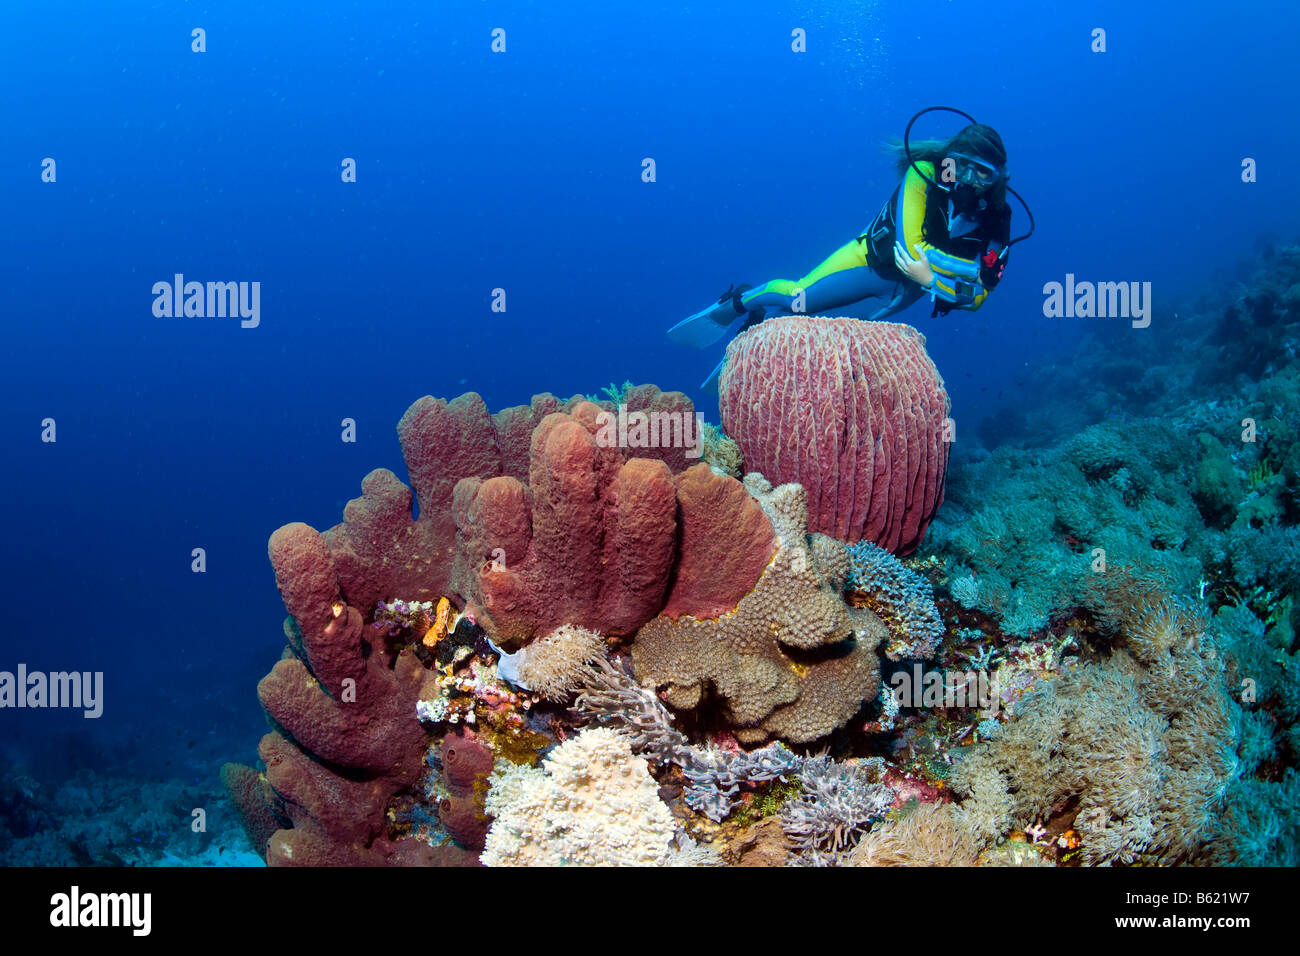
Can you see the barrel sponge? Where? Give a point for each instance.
(592, 803)
(854, 411)
(791, 659)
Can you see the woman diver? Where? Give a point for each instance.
(944, 231)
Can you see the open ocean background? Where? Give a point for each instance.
(519, 171)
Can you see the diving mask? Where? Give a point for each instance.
(973, 171)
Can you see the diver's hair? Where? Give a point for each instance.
(974, 140)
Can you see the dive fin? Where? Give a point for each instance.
(703, 328)
(754, 317)
(707, 326)
(710, 384)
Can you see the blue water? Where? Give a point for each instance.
(518, 171)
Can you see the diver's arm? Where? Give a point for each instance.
(911, 217)
(962, 293)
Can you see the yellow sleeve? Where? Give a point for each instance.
(948, 269)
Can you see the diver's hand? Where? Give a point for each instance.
(918, 269)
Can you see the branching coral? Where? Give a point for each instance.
(837, 802)
(612, 697)
(902, 598)
(716, 776)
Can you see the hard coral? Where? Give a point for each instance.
(903, 599)
(593, 803)
(791, 660)
(854, 411)
(837, 803)
(612, 698)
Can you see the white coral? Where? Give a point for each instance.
(593, 803)
(554, 665)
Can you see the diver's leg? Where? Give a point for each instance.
(844, 277)
(904, 295)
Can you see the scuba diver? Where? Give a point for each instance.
(945, 231)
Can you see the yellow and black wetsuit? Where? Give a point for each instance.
(864, 268)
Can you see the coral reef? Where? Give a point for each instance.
(1127, 592)
(901, 598)
(346, 701)
(836, 804)
(854, 411)
(1142, 753)
(110, 820)
(592, 803)
(612, 698)
(792, 660)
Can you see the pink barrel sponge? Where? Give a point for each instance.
(854, 411)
